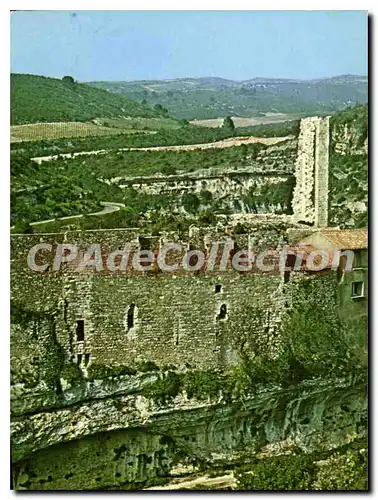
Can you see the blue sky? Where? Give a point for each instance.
(134, 45)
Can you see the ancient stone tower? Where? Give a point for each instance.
(310, 197)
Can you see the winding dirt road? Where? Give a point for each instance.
(109, 207)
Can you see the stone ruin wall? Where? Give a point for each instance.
(175, 313)
(322, 139)
(310, 197)
(176, 323)
(177, 316)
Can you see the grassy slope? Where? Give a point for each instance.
(41, 99)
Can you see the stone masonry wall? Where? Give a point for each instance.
(302, 197)
(310, 197)
(176, 315)
(321, 172)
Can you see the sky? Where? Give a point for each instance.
(239, 45)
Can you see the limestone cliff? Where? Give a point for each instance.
(348, 177)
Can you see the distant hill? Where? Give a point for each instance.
(41, 99)
(213, 97)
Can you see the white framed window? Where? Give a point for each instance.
(357, 289)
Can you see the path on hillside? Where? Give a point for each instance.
(225, 143)
(109, 207)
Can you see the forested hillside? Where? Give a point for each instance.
(205, 98)
(41, 99)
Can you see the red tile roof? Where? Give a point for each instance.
(346, 239)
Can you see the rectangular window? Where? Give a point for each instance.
(358, 289)
(130, 316)
(80, 330)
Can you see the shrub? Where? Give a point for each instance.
(200, 385)
(100, 372)
(164, 389)
(72, 374)
(344, 472)
(281, 473)
(147, 366)
(206, 196)
(190, 202)
(168, 170)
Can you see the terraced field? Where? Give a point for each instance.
(225, 143)
(63, 130)
(140, 122)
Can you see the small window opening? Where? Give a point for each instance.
(218, 288)
(290, 261)
(86, 359)
(357, 259)
(79, 359)
(357, 289)
(58, 386)
(222, 312)
(80, 330)
(130, 316)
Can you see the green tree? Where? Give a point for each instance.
(68, 79)
(191, 203)
(281, 473)
(228, 124)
